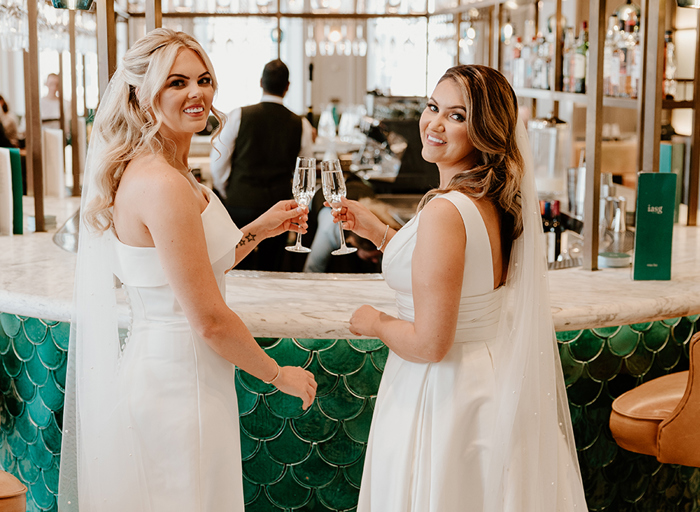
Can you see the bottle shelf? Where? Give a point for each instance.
(673, 104)
(580, 99)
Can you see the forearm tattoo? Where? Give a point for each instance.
(248, 238)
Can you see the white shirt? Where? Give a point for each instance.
(225, 143)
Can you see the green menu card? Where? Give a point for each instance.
(656, 197)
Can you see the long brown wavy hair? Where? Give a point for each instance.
(128, 121)
(491, 117)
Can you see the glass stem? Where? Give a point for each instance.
(342, 235)
(298, 244)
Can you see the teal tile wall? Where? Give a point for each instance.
(296, 460)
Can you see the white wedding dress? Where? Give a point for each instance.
(176, 412)
(432, 427)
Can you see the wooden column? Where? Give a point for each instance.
(106, 43)
(694, 168)
(154, 15)
(594, 129)
(495, 46)
(653, 80)
(75, 147)
(35, 168)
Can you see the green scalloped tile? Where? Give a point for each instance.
(261, 423)
(59, 375)
(35, 330)
(5, 383)
(353, 472)
(694, 483)
(325, 381)
(17, 445)
(685, 473)
(671, 321)
(250, 491)
(283, 405)
(50, 478)
(314, 472)
(51, 355)
(7, 421)
(288, 448)
(341, 449)
(339, 494)
(23, 348)
(598, 493)
(663, 478)
(340, 403)
(640, 361)
(669, 356)
(60, 333)
(567, 336)
(586, 347)
(674, 493)
(605, 332)
(365, 381)
(601, 453)
(26, 429)
(36, 371)
(28, 472)
(249, 446)
(341, 358)
(26, 389)
(42, 497)
(584, 391)
(366, 344)
(379, 358)
(5, 342)
(287, 353)
(358, 427)
(247, 400)
(682, 331)
(656, 338)
(624, 342)
(315, 344)
(314, 505)
(618, 470)
(253, 384)
(266, 342)
(642, 326)
(40, 456)
(647, 464)
(315, 425)
(288, 493)
(13, 404)
(51, 394)
(585, 432)
(52, 438)
(11, 364)
(11, 324)
(261, 469)
(604, 366)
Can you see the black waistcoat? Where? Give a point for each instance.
(263, 160)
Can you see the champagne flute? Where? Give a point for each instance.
(303, 188)
(333, 189)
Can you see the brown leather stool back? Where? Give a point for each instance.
(12, 494)
(662, 417)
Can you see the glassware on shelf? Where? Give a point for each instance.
(567, 67)
(303, 189)
(310, 44)
(630, 63)
(359, 44)
(581, 59)
(333, 183)
(550, 140)
(611, 58)
(628, 13)
(669, 66)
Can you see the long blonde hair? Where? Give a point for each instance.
(129, 119)
(492, 114)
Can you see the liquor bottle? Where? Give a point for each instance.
(548, 233)
(611, 59)
(567, 56)
(557, 227)
(539, 64)
(632, 54)
(669, 66)
(518, 65)
(580, 59)
(526, 54)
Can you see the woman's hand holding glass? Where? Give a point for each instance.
(303, 188)
(334, 191)
(357, 218)
(282, 217)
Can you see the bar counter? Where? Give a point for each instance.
(613, 334)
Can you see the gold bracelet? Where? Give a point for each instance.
(386, 231)
(279, 371)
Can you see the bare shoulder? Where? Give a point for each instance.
(152, 177)
(440, 213)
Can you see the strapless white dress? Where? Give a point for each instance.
(431, 431)
(177, 395)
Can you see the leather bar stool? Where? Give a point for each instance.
(12, 494)
(662, 416)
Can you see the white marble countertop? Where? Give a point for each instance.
(37, 280)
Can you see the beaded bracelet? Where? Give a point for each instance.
(279, 371)
(386, 231)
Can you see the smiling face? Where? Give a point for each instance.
(444, 131)
(186, 97)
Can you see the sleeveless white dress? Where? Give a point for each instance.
(431, 431)
(176, 396)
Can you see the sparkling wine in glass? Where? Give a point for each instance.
(333, 190)
(303, 188)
